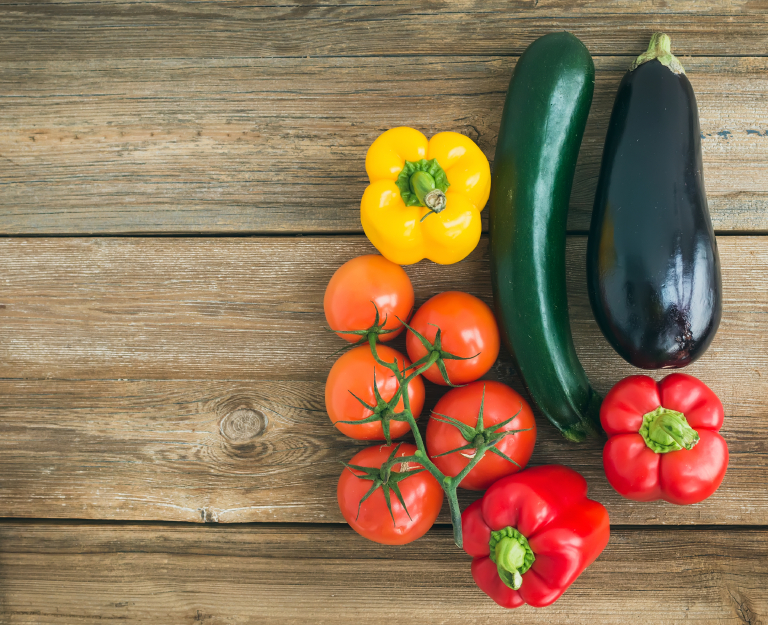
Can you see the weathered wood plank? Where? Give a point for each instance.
(230, 452)
(251, 308)
(105, 440)
(129, 30)
(278, 145)
(288, 574)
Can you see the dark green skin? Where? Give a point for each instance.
(541, 130)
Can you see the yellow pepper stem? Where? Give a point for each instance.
(423, 186)
(423, 183)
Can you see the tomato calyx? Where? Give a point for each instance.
(479, 439)
(387, 479)
(435, 353)
(374, 331)
(383, 411)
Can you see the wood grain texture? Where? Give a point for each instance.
(251, 145)
(183, 385)
(251, 308)
(141, 30)
(189, 451)
(286, 574)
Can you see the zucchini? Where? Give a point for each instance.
(541, 130)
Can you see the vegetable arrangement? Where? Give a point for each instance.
(654, 283)
(374, 392)
(533, 532)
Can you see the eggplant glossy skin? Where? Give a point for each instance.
(653, 270)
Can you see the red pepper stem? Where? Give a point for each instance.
(665, 430)
(512, 554)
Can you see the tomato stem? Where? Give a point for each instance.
(486, 442)
(422, 457)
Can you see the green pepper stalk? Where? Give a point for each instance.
(510, 551)
(665, 430)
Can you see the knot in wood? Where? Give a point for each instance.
(243, 425)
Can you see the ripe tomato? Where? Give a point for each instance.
(463, 404)
(357, 283)
(467, 326)
(354, 372)
(421, 492)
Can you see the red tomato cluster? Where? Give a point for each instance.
(370, 296)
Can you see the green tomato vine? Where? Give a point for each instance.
(479, 438)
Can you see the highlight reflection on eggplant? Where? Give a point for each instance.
(653, 269)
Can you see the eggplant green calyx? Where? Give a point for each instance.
(479, 439)
(512, 555)
(667, 430)
(423, 183)
(386, 478)
(660, 49)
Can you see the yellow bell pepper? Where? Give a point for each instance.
(425, 197)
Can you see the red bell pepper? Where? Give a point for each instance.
(532, 534)
(663, 439)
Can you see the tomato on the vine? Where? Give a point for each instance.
(467, 328)
(500, 403)
(359, 284)
(421, 493)
(353, 372)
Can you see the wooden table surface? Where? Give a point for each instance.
(178, 182)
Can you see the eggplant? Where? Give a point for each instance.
(653, 270)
